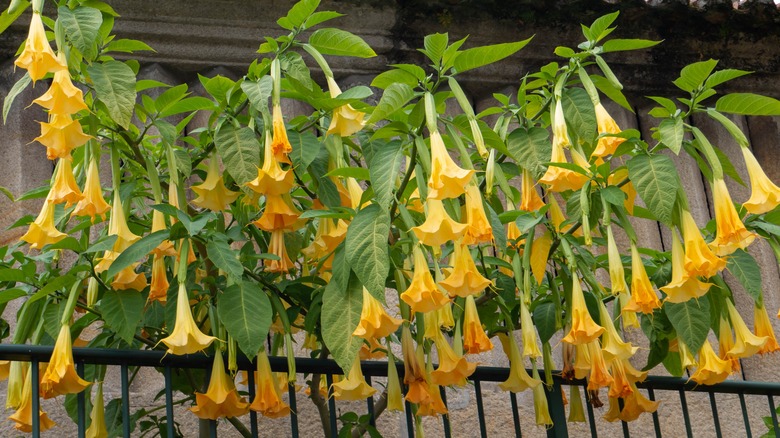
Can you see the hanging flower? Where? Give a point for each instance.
(763, 328)
(279, 249)
(346, 120)
(541, 409)
(97, 426)
(518, 380)
(60, 376)
(279, 214)
(42, 231)
(212, 193)
(560, 179)
(475, 340)
(23, 416)
(613, 345)
(453, 368)
(746, 344)
(725, 344)
(682, 287)
(128, 279)
(433, 405)
(606, 125)
(186, 337)
(61, 135)
(438, 228)
(92, 204)
(643, 296)
(64, 189)
(530, 199)
(700, 260)
(464, 279)
(354, 387)
(447, 180)
(576, 410)
(395, 398)
(620, 387)
(636, 404)
(37, 57)
(712, 369)
(540, 251)
(617, 275)
(280, 144)
(267, 399)
(15, 389)
(326, 239)
(374, 320)
(371, 349)
(117, 226)
(583, 328)
(271, 179)
(221, 399)
(528, 331)
(765, 195)
(478, 228)
(596, 369)
(731, 233)
(423, 295)
(620, 176)
(414, 374)
(62, 97)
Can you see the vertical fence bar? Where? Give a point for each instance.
(293, 409)
(480, 409)
(370, 406)
(445, 419)
(745, 418)
(715, 419)
(773, 411)
(515, 415)
(82, 404)
(213, 427)
(36, 402)
(250, 382)
(409, 419)
(686, 417)
(125, 400)
(168, 401)
(331, 405)
(656, 422)
(623, 424)
(557, 412)
(591, 418)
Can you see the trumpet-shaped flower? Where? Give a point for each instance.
(221, 399)
(606, 125)
(346, 120)
(117, 226)
(271, 179)
(540, 251)
(765, 195)
(434, 404)
(518, 380)
(280, 144)
(61, 135)
(267, 399)
(371, 349)
(576, 410)
(528, 331)
(643, 296)
(598, 373)
(14, 392)
(42, 231)
(279, 214)
(97, 427)
(64, 188)
(712, 369)
(395, 398)
(731, 233)
(541, 409)
(613, 345)
(620, 176)
(128, 279)
(354, 387)
(62, 97)
(464, 279)
(453, 368)
(617, 275)
(279, 249)
(530, 199)
(414, 372)
(23, 416)
(447, 180)
(700, 260)
(475, 340)
(746, 343)
(621, 386)
(560, 179)
(682, 287)
(637, 404)
(212, 193)
(725, 344)
(60, 376)
(166, 247)
(186, 337)
(423, 295)
(438, 228)
(478, 228)
(37, 57)
(374, 320)
(93, 204)
(763, 328)
(583, 328)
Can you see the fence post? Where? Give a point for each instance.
(557, 413)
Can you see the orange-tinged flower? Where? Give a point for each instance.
(354, 387)
(42, 231)
(212, 193)
(682, 287)
(599, 376)
(583, 328)
(267, 399)
(478, 228)
(374, 320)
(327, 238)
(5, 369)
(61, 135)
(725, 344)
(279, 214)
(613, 345)
(620, 387)
(464, 279)
(700, 260)
(414, 373)
(62, 97)
(355, 194)
(92, 204)
(221, 398)
(617, 275)
(60, 376)
(541, 409)
(23, 416)
(371, 349)
(345, 120)
(475, 340)
(763, 328)
(627, 316)
(643, 296)
(279, 249)
(423, 295)
(438, 228)
(746, 343)
(280, 144)
(613, 413)
(530, 199)
(560, 179)
(619, 176)
(37, 57)
(97, 427)
(765, 195)
(128, 279)
(447, 180)
(636, 404)
(731, 233)
(540, 251)
(271, 179)
(434, 404)
(158, 224)
(712, 369)
(583, 363)
(453, 368)
(415, 203)
(528, 331)
(432, 325)
(606, 125)
(186, 337)
(518, 380)
(117, 226)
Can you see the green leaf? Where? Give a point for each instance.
(671, 133)
(189, 104)
(122, 311)
(730, 126)
(246, 313)
(722, 76)
(619, 45)
(544, 318)
(224, 257)
(600, 27)
(332, 41)
(305, 148)
(82, 25)
(127, 46)
(743, 266)
(383, 170)
(480, 56)
(298, 14)
(11, 294)
(240, 152)
(295, 67)
(748, 104)
(656, 181)
(613, 195)
(341, 307)
(53, 285)
(115, 87)
(15, 9)
(350, 172)
(693, 76)
(321, 17)
(393, 99)
(170, 96)
(499, 231)
(136, 251)
(366, 248)
(435, 44)
(531, 148)
(580, 114)
(605, 86)
(258, 92)
(395, 76)
(104, 244)
(18, 87)
(691, 321)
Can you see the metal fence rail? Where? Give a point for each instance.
(149, 358)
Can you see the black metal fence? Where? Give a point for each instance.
(126, 359)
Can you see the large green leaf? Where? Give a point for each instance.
(82, 25)
(480, 56)
(394, 98)
(240, 152)
(671, 132)
(115, 86)
(136, 251)
(122, 311)
(619, 45)
(366, 248)
(331, 41)
(224, 257)
(258, 92)
(18, 87)
(246, 313)
(748, 104)
(544, 318)
(580, 114)
(722, 76)
(656, 181)
(298, 14)
(743, 266)
(305, 148)
(383, 171)
(530, 148)
(691, 321)
(693, 76)
(342, 302)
